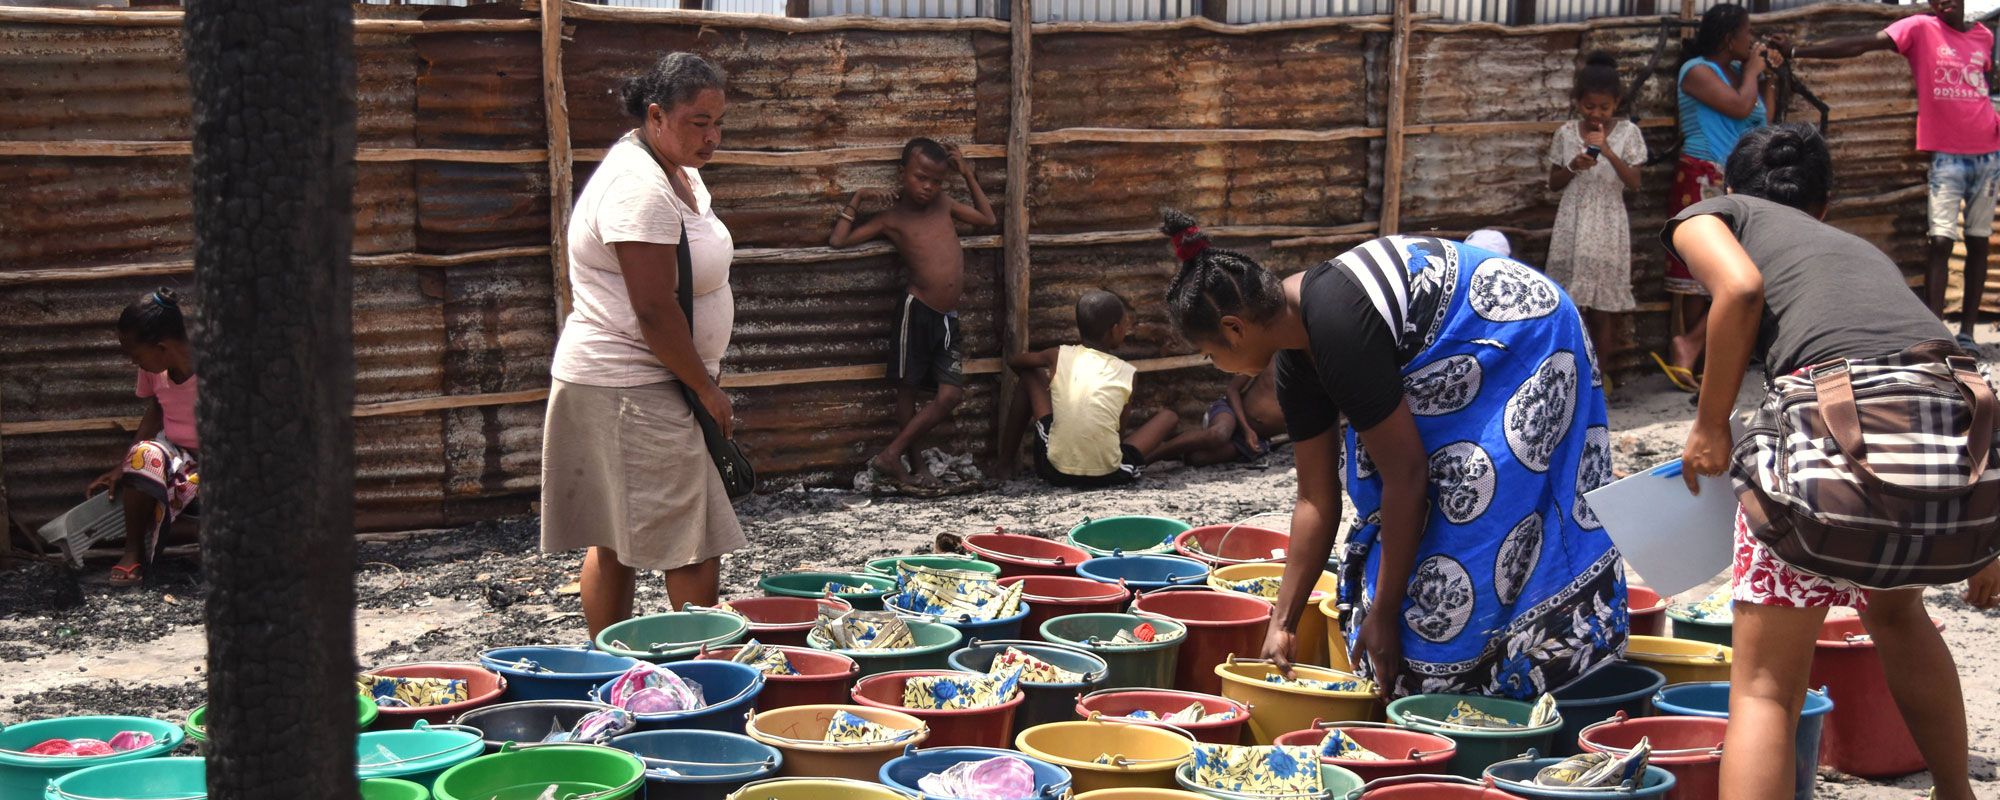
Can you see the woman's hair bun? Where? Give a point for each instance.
(166, 297)
(1600, 58)
(1174, 220)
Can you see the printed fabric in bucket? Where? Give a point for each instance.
(860, 630)
(1195, 712)
(1338, 744)
(1031, 669)
(955, 593)
(1465, 717)
(1598, 770)
(769, 660)
(962, 691)
(1352, 683)
(1262, 586)
(1261, 770)
(652, 689)
(1716, 607)
(400, 692)
(1002, 778)
(850, 728)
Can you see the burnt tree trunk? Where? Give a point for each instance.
(273, 86)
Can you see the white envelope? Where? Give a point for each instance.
(1674, 541)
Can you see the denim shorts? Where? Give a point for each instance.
(1961, 194)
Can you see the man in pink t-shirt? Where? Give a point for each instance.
(1949, 60)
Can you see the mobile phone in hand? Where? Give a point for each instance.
(1593, 150)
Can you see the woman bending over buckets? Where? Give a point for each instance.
(157, 480)
(1473, 428)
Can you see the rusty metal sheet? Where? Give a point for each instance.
(1310, 79)
(1110, 187)
(796, 91)
(480, 90)
(796, 207)
(842, 313)
(821, 433)
(464, 207)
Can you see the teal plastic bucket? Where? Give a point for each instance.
(577, 771)
(672, 636)
(27, 776)
(1517, 777)
(144, 779)
(1135, 535)
(886, 567)
(418, 754)
(1148, 665)
(934, 643)
(393, 789)
(196, 726)
(1700, 630)
(813, 584)
(1599, 696)
(1477, 749)
(1711, 699)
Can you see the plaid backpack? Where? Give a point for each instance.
(1875, 470)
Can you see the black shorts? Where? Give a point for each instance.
(1127, 471)
(925, 352)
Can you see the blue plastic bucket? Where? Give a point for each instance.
(1599, 696)
(1042, 702)
(551, 672)
(903, 772)
(699, 765)
(729, 688)
(1007, 627)
(1712, 700)
(144, 779)
(417, 754)
(1517, 777)
(28, 776)
(1144, 573)
(531, 721)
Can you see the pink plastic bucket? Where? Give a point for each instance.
(1688, 747)
(783, 620)
(1647, 609)
(1020, 554)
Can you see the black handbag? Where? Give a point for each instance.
(739, 478)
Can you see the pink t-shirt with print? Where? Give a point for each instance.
(176, 406)
(1954, 114)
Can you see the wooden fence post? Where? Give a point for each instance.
(1014, 232)
(1392, 127)
(555, 106)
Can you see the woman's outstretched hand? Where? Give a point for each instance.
(1382, 642)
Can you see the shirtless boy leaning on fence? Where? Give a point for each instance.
(925, 352)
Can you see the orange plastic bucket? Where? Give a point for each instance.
(1223, 545)
(1647, 611)
(483, 687)
(799, 733)
(956, 727)
(1020, 554)
(1403, 751)
(1218, 624)
(783, 620)
(1314, 624)
(1688, 747)
(1865, 734)
(1123, 702)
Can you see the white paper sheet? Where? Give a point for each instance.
(1673, 540)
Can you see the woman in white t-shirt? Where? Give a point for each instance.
(625, 471)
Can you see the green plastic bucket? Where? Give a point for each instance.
(813, 584)
(418, 754)
(1477, 749)
(196, 726)
(1148, 665)
(1697, 630)
(935, 641)
(672, 636)
(144, 779)
(886, 567)
(27, 776)
(1127, 535)
(577, 771)
(393, 789)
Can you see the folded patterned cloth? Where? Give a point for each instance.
(400, 692)
(1003, 778)
(1464, 715)
(1598, 770)
(770, 660)
(953, 593)
(1195, 712)
(1031, 669)
(1265, 587)
(1716, 607)
(1338, 744)
(836, 587)
(960, 690)
(1260, 771)
(859, 630)
(847, 727)
(1544, 711)
(652, 689)
(1353, 683)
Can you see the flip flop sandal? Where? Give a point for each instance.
(1681, 377)
(127, 575)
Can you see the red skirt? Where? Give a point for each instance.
(1695, 180)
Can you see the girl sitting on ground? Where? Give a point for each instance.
(156, 481)
(1594, 160)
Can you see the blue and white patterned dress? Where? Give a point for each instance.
(1516, 589)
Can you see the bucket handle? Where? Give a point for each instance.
(669, 762)
(1398, 780)
(478, 740)
(1037, 598)
(1620, 718)
(1190, 695)
(669, 647)
(899, 738)
(1415, 754)
(1232, 531)
(1121, 761)
(744, 791)
(61, 794)
(1058, 561)
(1088, 677)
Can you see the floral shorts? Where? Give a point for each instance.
(1762, 579)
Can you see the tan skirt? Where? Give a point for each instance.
(626, 468)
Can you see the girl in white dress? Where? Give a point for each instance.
(1593, 160)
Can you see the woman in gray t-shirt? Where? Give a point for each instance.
(1792, 291)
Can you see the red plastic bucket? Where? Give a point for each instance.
(1688, 747)
(1051, 596)
(964, 727)
(1432, 787)
(1122, 702)
(1223, 545)
(1865, 735)
(1219, 624)
(824, 678)
(483, 687)
(784, 620)
(1404, 751)
(1020, 554)
(1647, 610)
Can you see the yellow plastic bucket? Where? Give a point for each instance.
(1276, 710)
(1336, 638)
(1681, 660)
(816, 789)
(1313, 624)
(1141, 794)
(1143, 756)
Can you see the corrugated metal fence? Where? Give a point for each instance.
(1239, 11)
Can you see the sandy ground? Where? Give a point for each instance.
(446, 595)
